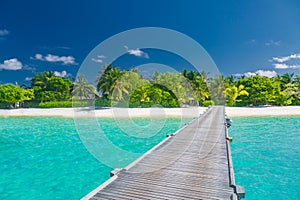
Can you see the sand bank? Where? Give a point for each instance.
(104, 112)
(148, 112)
(263, 111)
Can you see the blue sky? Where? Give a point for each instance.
(240, 36)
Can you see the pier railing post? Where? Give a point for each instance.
(238, 190)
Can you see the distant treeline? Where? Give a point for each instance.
(126, 88)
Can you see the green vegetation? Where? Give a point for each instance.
(48, 87)
(176, 83)
(129, 89)
(232, 92)
(56, 104)
(82, 89)
(151, 95)
(273, 91)
(11, 95)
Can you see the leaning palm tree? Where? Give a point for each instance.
(83, 89)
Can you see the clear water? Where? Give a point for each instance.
(44, 158)
(266, 156)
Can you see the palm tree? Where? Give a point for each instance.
(108, 81)
(191, 75)
(200, 87)
(122, 87)
(229, 80)
(83, 89)
(198, 82)
(217, 89)
(287, 78)
(297, 82)
(41, 80)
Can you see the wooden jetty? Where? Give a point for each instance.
(193, 163)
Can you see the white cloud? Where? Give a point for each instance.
(137, 52)
(61, 74)
(272, 42)
(285, 66)
(281, 66)
(286, 58)
(39, 56)
(4, 32)
(11, 64)
(282, 62)
(66, 60)
(266, 73)
(99, 59)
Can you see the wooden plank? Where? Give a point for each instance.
(193, 163)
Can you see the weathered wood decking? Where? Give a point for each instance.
(195, 163)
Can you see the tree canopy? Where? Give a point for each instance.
(13, 94)
(48, 87)
(82, 89)
(128, 88)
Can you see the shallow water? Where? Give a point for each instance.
(266, 156)
(44, 158)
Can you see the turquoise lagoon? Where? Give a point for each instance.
(266, 156)
(44, 158)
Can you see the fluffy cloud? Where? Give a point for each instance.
(66, 60)
(11, 64)
(4, 32)
(137, 52)
(99, 59)
(38, 57)
(281, 66)
(285, 66)
(286, 58)
(61, 74)
(283, 62)
(266, 73)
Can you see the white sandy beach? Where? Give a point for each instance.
(263, 111)
(148, 112)
(104, 112)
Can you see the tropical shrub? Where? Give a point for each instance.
(153, 94)
(56, 104)
(102, 102)
(207, 103)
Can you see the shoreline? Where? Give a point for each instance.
(147, 112)
(263, 111)
(103, 112)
